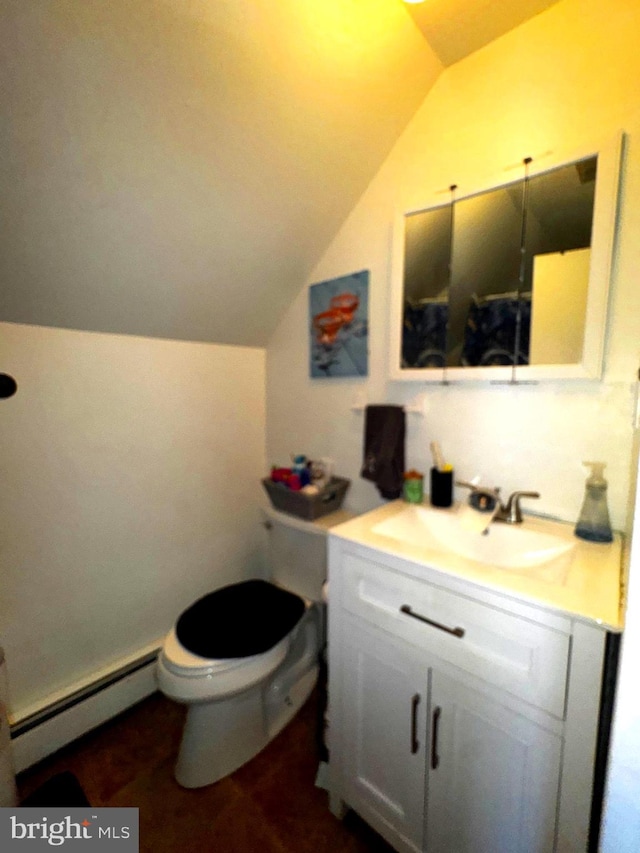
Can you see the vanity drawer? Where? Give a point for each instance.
(517, 655)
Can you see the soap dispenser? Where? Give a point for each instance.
(593, 523)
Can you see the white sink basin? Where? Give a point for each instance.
(518, 546)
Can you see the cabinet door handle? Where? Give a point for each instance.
(435, 758)
(415, 743)
(457, 632)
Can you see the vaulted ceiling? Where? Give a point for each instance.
(456, 28)
(176, 168)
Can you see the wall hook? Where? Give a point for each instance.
(8, 386)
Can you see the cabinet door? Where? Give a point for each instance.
(493, 776)
(384, 734)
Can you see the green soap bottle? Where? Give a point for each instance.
(593, 523)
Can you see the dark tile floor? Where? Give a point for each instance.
(271, 805)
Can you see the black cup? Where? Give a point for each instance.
(441, 488)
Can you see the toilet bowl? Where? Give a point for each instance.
(245, 657)
(188, 678)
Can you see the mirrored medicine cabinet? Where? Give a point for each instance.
(509, 283)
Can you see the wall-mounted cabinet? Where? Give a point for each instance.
(510, 282)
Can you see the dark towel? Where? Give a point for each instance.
(384, 430)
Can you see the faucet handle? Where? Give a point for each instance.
(482, 498)
(476, 487)
(512, 511)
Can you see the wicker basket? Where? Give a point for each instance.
(304, 506)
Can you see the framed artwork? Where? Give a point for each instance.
(338, 326)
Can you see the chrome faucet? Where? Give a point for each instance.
(509, 513)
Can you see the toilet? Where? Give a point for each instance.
(245, 657)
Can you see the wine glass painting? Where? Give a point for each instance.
(338, 326)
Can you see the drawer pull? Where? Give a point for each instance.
(435, 758)
(457, 632)
(415, 743)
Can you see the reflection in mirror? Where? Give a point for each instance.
(427, 249)
(557, 260)
(485, 270)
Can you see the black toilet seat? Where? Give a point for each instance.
(239, 621)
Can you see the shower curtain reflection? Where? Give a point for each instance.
(424, 333)
(496, 326)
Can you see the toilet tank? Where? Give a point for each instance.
(297, 550)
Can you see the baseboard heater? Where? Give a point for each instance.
(67, 717)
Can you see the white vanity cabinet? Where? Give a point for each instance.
(385, 707)
(461, 720)
(493, 774)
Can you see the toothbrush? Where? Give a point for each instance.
(437, 456)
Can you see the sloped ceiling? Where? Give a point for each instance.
(457, 28)
(176, 168)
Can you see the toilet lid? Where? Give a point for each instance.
(240, 620)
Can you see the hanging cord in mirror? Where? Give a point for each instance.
(522, 271)
(452, 191)
(521, 279)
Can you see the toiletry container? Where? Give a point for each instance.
(413, 488)
(593, 523)
(301, 470)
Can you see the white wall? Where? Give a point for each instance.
(562, 81)
(130, 486)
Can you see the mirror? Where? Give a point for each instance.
(485, 265)
(427, 249)
(508, 283)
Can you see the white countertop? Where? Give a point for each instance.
(585, 584)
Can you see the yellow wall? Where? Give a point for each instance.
(565, 80)
(560, 82)
(169, 167)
